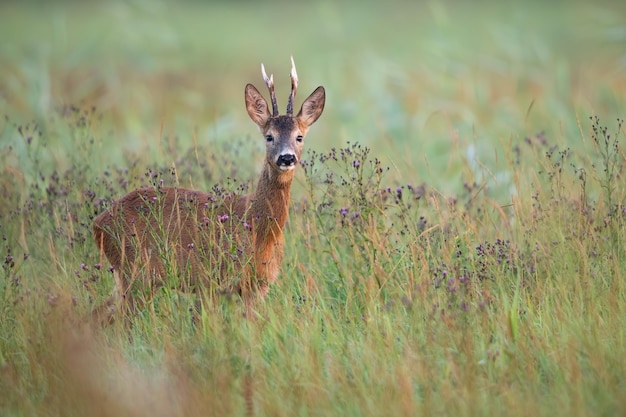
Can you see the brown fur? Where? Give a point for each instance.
(194, 241)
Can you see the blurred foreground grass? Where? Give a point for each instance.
(483, 273)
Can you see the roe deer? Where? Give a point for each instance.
(154, 233)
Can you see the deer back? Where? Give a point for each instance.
(151, 233)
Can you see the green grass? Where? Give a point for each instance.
(457, 232)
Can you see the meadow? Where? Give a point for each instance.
(456, 240)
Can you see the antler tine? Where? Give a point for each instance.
(269, 81)
(294, 87)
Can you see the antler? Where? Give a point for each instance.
(269, 81)
(294, 87)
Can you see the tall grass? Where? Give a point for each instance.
(456, 236)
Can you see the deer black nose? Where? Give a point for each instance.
(286, 159)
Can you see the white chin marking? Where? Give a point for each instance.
(287, 167)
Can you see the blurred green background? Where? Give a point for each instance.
(433, 86)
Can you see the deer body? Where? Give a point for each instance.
(153, 233)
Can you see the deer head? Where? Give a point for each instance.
(284, 134)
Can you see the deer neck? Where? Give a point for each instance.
(269, 205)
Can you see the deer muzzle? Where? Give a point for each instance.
(286, 161)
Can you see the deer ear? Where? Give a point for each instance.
(313, 106)
(256, 106)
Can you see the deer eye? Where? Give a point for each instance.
(269, 138)
(299, 138)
